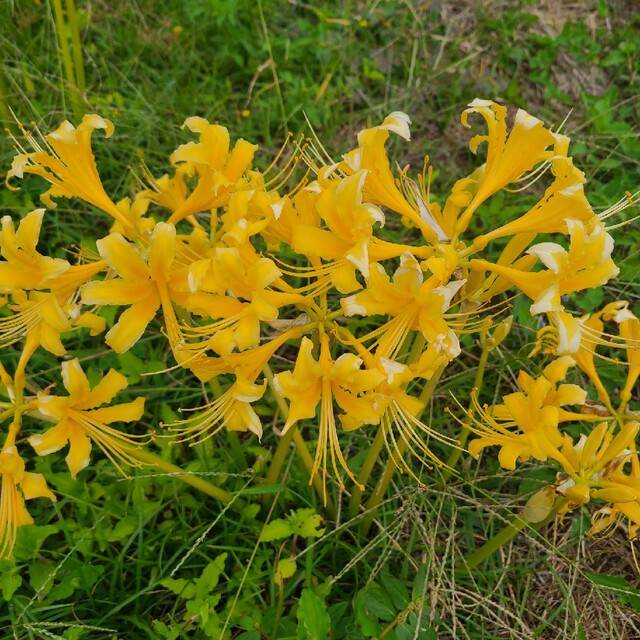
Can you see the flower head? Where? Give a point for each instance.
(13, 513)
(80, 419)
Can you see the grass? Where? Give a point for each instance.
(140, 558)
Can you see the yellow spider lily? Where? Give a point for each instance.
(67, 162)
(25, 268)
(526, 425)
(80, 419)
(219, 171)
(586, 264)
(509, 155)
(145, 283)
(13, 513)
(416, 304)
(314, 382)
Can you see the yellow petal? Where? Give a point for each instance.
(79, 454)
(105, 391)
(239, 160)
(615, 495)
(115, 292)
(132, 323)
(34, 485)
(123, 257)
(162, 248)
(510, 453)
(52, 440)
(74, 379)
(579, 493)
(126, 412)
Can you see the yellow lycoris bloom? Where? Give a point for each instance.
(145, 283)
(80, 419)
(415, 304)
(25, 268)
(526, 425)
(509, 154)
(13, 513)
(314, 382)
(67, 162)
(220, 171)
(586, 264)
(242, 266)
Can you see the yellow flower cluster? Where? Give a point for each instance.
(242, 265)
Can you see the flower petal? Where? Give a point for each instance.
(132, 323)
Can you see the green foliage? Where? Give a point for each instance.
(301, 522)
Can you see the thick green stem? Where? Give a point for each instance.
(67, 61)
(455, 454)
(237, 451)
(365, 472)
(185, 476)
(391, 466)
(76, 43)
(5, 114)
(475, 559)
(279, 457)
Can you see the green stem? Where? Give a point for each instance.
(5, 114)
(237, 451)
(455, 454)
(279, 457)
(473, 560)
(76, 43)
(316, 480)
(391, 466)
(378, 443)
(185, 476)
(74, 96)
(365, 472)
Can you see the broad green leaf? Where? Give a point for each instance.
(30, 539)
(180, 587)
(285, 569)
(378, 603)
(208, 581)
(276, 530)
(396, 590)
(303, 522)
(368, 623)
(314, 622)
(308, 523)
(9, 584)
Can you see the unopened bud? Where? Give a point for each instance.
(539, 505)
(491, 340)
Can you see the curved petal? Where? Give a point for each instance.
(34, 485)
(126, 412)
(79, 454)
(162, 249)
(132, 323)
(105, 391)
(74, 379)
(52, 440)
(122, 257)
(115, 292)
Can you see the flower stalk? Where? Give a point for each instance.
(517, 524)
